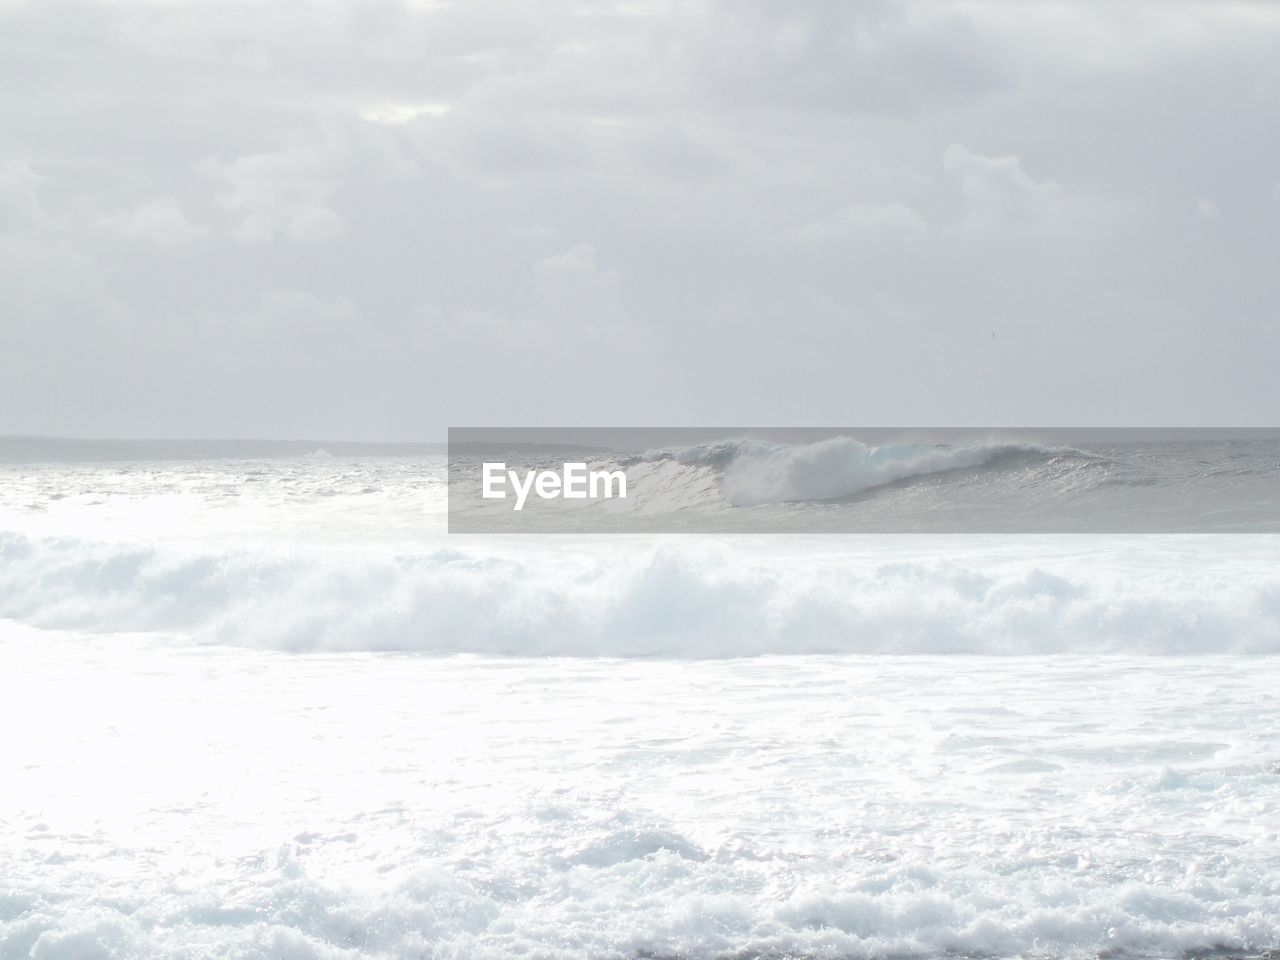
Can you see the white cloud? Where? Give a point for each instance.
(996, 189)
(314, 224)
(399, 114)
(1122, 37)
(161, 222)
(815, 55)
(20, 205)
(574, 295)
(888, 222)
(292, 191)
(285, 192)
(780, 158)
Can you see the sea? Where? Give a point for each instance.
(257, 702)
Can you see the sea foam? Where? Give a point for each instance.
(166, 801)
(673, 597)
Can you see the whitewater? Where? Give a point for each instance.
(264, 706)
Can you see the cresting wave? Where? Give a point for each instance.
(611, 769)
(685, 598)
(755, 472)
(843, 485)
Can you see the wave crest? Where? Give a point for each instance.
(755, 472)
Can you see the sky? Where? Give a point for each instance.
(374, 220)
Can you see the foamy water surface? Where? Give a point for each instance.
(267, 709)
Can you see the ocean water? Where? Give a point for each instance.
(267, 708)
(1061, 482)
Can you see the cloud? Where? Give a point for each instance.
(869, 222)
(20, 206)
(997, 190)
(402, 113)
(838, 200)
(161, 222)
(285, 193)
(50, 287)
(999, 195)
(574, 307)
(291, 192)
(871, 57)
(574, 296)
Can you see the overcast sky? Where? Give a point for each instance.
(372, 220)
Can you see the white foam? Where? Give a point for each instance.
(653, 775)
(678, 597)
(170, 802)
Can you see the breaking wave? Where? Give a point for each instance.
(841, 484)
(757, 472)
(689, 598)
(842, 468)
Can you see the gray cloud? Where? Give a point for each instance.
(373, 219)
